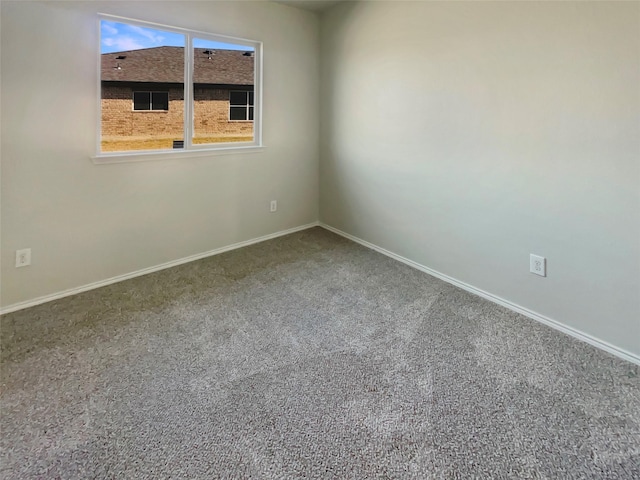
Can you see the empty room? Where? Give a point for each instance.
(320, 239)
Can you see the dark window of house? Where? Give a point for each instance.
(150, 100)
(241, 105)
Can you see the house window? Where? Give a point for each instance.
(208, 85)
(241, 105)
(151, 100)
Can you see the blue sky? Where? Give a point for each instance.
(118, 37)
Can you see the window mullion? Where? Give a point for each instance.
(188, 92)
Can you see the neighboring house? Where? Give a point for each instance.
(143, 94)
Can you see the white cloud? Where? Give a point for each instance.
(122, 43)
(148, 34)
(109, 29)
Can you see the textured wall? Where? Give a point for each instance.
(87, 222)
(467, 135)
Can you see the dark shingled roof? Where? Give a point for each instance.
(166, 65)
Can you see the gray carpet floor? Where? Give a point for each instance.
(307, 356)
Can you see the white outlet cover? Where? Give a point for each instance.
(538, 265)
(23, 257)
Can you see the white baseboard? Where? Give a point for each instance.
(596, 342)
(145, 271)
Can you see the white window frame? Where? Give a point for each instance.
(190, 149)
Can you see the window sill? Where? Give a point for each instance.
(149, 155)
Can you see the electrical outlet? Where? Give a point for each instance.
(538, 265)
(23, 257)
(274, 206)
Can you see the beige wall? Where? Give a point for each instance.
(467, 135)
(87, 222)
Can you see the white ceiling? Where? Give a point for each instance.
(312, 5)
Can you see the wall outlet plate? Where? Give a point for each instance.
(538, 265)
(23, 257)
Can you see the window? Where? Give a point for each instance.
(151, 100)
(240, 105)
(206, 86)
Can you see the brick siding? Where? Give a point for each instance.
(211, 113)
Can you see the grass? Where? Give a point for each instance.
(124, 144)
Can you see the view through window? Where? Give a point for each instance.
(152, 79)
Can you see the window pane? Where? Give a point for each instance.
(238, 98)
(223, 74)
(251, 98)
(238, 113)
(141, 101)
(250, 113)
(160, 100)
(152, 62)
